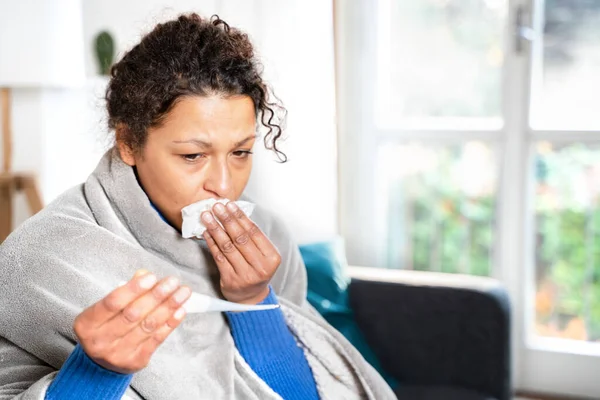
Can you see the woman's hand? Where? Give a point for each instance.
(246, 258)
(122, 331)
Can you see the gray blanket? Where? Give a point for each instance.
(98, 234)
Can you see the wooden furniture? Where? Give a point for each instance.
(12, 183)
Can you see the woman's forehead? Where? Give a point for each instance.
(211, 120)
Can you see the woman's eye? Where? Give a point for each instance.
(242, 153)
(192, 157)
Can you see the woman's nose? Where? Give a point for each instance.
(219, 180)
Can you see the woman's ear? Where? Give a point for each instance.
(125, 151)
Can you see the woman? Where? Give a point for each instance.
(184, 104)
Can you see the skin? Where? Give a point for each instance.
(201, 150)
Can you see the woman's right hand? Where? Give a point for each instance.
(122, 331)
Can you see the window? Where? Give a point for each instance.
(470, 143)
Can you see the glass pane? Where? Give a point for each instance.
(567, 254)
(565, 74)
(440, 206)
(440, 59)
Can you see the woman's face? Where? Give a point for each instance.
(201, 150)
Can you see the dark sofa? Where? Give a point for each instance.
(442, 336)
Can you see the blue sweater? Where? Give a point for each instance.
(262, 338)
(266, 343)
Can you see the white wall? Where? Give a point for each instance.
(27, 144)
(295, 41)
(57, 135)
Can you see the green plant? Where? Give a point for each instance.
(105, 52)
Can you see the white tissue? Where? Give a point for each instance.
(192, 224)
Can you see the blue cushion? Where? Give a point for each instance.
(326, 263)
(328, 292)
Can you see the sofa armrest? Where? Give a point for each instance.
(436, 329)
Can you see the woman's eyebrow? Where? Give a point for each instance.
(208, 145)
(197, 142)
(244, 141)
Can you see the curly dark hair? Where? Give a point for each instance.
(187, 56)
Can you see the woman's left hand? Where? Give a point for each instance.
(246, 258)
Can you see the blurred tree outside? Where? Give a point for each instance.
(448, 221)
(568, 241)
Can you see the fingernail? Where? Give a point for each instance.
(179, 313)
(232, 206)
(220, 208)
(147, 281)
(140, 272)
(207, 217)
(182, 294)
(169, 285)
